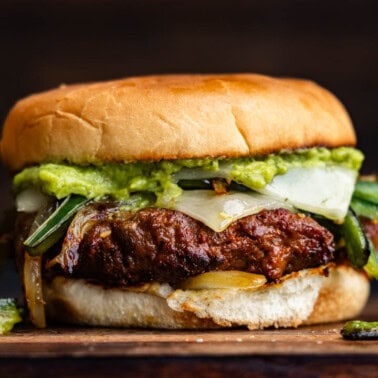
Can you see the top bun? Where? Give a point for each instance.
(173, 117)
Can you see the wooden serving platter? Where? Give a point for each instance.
(27, 342)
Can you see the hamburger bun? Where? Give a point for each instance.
(189, 116)
(306, 297)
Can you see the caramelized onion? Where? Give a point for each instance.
(232, 279)
(80, 225)
(33, 290)
(33, 274)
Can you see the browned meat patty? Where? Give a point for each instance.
(120, 248)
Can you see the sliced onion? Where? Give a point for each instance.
(33, 274)
(321, 190)
(219, 211)
(34, 290)
(31, 200)
(232, 279)
(80, 225)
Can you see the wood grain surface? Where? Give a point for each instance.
(61, 342)
(68, 352)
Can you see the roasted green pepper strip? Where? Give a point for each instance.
(359, 330)
(50, 231)
(208, 184)
(9, 315)
(364, 208)
(195, 184)
(367, 190)
(371, 268)
(356, 242)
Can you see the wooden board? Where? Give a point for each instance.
(102, 342)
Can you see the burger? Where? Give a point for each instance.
(187, 201)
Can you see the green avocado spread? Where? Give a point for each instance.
(148, 183)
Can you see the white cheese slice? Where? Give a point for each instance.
(321, 190)
(218, 211)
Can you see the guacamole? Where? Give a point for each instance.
(147, 183)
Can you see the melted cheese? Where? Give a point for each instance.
(321, 190)
(326, 191)
(218, 211)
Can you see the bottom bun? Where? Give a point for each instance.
(307, 297)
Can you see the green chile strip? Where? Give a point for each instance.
(50, 231)
(364, 208)
(371, 268)
(9, 315)
(356, 242)
(359, 330)
(367, 190)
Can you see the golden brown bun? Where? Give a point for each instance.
(173, 117)
(307, 297)
(342, 296)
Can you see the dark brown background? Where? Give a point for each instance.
(46, 43)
